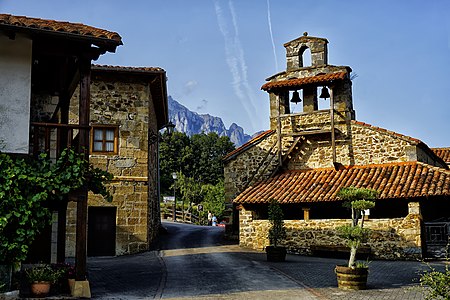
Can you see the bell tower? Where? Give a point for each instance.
(309, 84)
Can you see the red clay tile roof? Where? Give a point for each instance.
(249, 144)
(127, 69)
(443, 153)
(396, 180)
(77, 29)
(298, 82)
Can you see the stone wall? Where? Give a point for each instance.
(253, 164)
(398, 238)
(125, 101)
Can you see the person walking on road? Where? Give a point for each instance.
(210, 216)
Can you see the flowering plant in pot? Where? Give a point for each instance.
(277, 232)
(354, 276)
(41, 277)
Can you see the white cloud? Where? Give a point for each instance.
(235, 59)
(189, 87)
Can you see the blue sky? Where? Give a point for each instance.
(217, 53)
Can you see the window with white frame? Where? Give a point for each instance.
(104, 139)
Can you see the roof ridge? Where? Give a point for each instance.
(248, 144)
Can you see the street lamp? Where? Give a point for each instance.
(174, 176)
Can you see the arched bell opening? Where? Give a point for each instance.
(295, 101)
(324, 97)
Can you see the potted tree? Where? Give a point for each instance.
(277, 232)
(41, 277)
(354, 276)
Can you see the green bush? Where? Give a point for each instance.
(437, 283)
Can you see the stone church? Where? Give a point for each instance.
(307, 156)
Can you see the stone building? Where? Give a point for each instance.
(128, 108)
(307, 156)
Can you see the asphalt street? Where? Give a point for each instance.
(194, 262)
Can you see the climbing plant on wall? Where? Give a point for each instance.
(26, 187)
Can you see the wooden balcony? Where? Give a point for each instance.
(53, 138)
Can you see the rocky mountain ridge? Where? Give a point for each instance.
(190, 122)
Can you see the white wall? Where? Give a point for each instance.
(15, 93)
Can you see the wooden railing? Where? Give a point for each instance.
(185, 217)
(52, 138)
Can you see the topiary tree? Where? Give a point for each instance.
(358, 200)
(277, 231)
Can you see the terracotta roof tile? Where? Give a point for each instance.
(299, 82)
(443, 153)
(248, 145)
(395, 180)
(127, 69)
(59, 27)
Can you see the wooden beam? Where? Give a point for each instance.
(83, 114)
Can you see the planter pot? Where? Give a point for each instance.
(351, 278)
(276, 253)
(40, 289)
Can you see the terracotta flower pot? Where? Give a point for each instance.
(351, 278)
(40, 289)
(276, 254)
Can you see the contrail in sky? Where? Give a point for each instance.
(236, 61)
(269, 19)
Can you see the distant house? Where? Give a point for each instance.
(308, 155)
(43, 62)
(128, 107)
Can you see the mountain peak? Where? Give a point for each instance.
(190, 122)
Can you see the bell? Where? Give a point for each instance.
(296, 97)
(324, 94)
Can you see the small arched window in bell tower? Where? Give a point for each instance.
(305, 57)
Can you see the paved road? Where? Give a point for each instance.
(194, 262)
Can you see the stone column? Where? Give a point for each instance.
(245, 228)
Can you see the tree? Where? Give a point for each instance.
(214, 198)
(358, 200)
(208, 151)
(277, 231)
(189, 189)
(198, 157)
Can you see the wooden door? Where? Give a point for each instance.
(101, 231)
